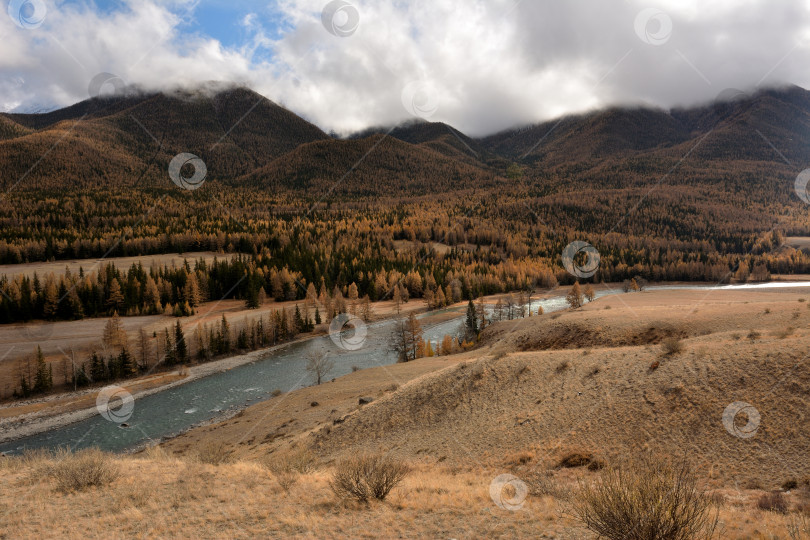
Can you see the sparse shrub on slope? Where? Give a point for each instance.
(672, 346)
(213, 453)
(773, 502)
(367, 477)
(647, 500)
(84, 469)
(288, 466)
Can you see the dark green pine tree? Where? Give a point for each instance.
(317, 316)
(171, 358)
(126, 364)
(471, 322)
(97, 371)
(180, 347)
(242, 340)
(25, 387)
(43, 378)
(252, 293)
(224, 336)
(80, 377)
(300, 325)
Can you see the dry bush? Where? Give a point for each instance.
(563, 366)
(300, 461)
(523, 457)
(784, 332)
(213, 453)
(671, 346)
(542, 483)
(773, 502)
(288, 466)
(575, 459)
(81, 470)
(367, 477)
(287, 480)
(34, 459)
(754, 335)
(799, 527)
(156, 453)
(649, 499)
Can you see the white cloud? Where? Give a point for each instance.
(493, 63)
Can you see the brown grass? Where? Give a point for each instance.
(160, 496)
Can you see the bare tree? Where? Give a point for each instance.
(319, 365)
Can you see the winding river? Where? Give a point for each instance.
(174, 410)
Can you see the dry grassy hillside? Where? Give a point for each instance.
(551, 399)
(614, 402)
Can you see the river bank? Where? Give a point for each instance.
(22, 419)
(164, 410)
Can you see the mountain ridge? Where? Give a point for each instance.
(244, 138)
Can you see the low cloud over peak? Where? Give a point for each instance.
(480, 66)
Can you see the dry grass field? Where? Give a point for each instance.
(554, 400)
(121, 263)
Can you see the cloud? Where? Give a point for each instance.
(482, 65)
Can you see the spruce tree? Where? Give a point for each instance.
(180, 348)
(171, 358)
(471, 322)
(43, 377)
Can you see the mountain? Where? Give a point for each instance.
(781, 117)
(122, 140)
(436, 136)
(245, 139)
(379, 165)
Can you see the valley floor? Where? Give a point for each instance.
(639, 374)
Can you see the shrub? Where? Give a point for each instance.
(562, 366)
(790, 484)
(288, 466)
(799, 527)
(83, 469)
(753, 334)
(292, 461)
(575, 459)
(542, 483)
(367, 477)
(213, 453)
(650, 499)
(287, 480)
(671, 346)
(773, 502)
(784, 332)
